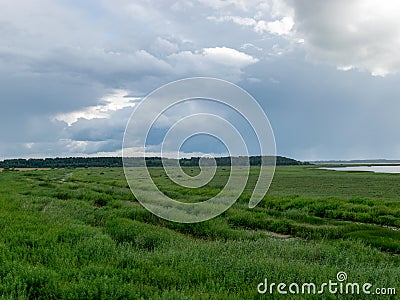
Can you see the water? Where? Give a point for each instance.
(375, 169)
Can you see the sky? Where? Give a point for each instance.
(326, 73)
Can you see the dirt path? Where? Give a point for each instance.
(285, 237)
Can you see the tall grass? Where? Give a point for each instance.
(86, 237)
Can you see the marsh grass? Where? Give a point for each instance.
(84, 236)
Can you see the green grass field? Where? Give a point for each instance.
(80, 234)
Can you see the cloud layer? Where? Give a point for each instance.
(360, 34)
(71, 72)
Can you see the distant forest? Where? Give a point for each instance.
(81, 162)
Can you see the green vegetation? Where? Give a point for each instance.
(84, 162)
(80, 234)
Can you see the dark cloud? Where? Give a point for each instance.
(318, 112)
(100, 129)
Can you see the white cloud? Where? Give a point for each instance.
(359, 34)
(345, 68)
(272, 17)
(117, 100)
(223, 62)
(279, 27)
(229, 57)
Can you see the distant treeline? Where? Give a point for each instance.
(81, 162)
(73, 162)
